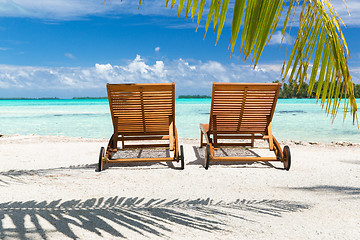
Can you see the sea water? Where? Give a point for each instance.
(295, 119)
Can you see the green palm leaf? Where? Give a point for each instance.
(319, 27)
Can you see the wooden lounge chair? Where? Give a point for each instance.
(242, 111)
(142, 112)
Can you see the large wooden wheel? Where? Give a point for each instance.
(101, 159)
(181, 156)
(287, 158)
(207, 157)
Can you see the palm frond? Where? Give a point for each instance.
(330, 57)
(122, 217)
(319, 41)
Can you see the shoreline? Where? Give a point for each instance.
(61, 138)
(300, 120)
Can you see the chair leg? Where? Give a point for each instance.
(201, 138)
(115, 142)
(278, 152)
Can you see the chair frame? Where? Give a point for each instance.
(212, 134)
(127, 133)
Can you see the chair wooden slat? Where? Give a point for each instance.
(241, 111)
(232, 101)
(142, 112)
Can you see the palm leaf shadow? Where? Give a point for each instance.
(343, 190)
(154, 217)
(13, 176)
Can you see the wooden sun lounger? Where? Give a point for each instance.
(242, 111)
(142, 112)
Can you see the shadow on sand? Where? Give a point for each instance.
(113, 216)
(200, 159)
(334, 189)
(13, 176)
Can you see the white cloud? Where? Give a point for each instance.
(159, 69)
(190, 76)
(80, 9)
(213, 67)
(138, 65)
(69, 55)
(4, 48)
(278, 38)
(74, 9)
(354, 9)
(216, 70)
(157, 49)
(102, 67)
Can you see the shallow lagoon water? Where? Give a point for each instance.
(295, 119)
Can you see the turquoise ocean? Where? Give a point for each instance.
(295, 119)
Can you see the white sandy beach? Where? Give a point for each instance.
(50, 190)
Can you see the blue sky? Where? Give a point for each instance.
(67, 48)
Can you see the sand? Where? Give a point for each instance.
(50, 190)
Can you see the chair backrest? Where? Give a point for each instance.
(243, 107)
(142, 109)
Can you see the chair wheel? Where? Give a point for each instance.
(207, 157)
(101, 159)
(287, 158)
(182, 157)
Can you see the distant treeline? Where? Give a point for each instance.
(287, 91)
(194, 96)
(89, 98)
(292, 90)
